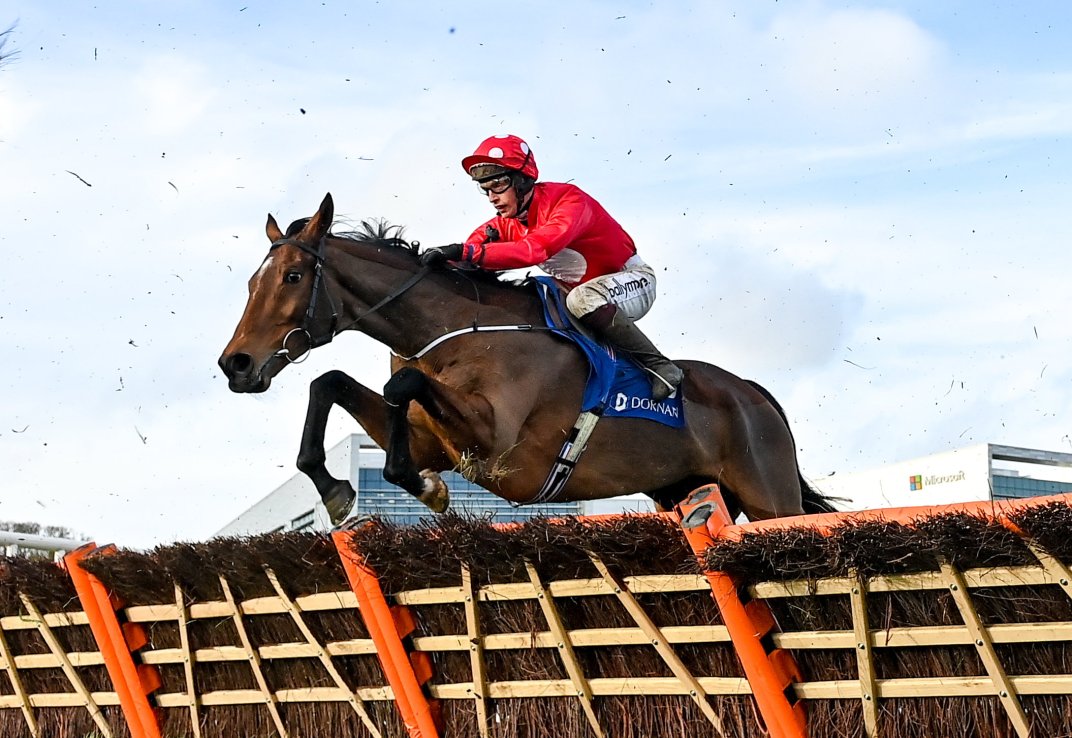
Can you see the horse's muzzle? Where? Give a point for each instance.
(241, 373)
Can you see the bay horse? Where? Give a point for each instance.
(496, 401)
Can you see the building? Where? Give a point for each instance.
(974, 473)
(295, 505)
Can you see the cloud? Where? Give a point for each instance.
(172, 93)
(853, 63)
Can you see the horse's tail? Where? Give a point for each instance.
(811, 499)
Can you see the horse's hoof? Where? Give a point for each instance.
(339, 502)
(435, 496)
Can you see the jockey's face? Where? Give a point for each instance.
(504, 200)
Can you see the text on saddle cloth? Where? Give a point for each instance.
(617, 386)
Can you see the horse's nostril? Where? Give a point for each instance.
(240, 365)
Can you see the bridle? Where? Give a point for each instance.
(310, 311)
(334, 329)
(319, 285)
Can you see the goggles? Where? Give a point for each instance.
(496, 185)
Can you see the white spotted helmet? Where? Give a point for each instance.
(499, 153)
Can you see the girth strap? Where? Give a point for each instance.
(567, 459)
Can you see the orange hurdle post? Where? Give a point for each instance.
(387, 626)
(117, 643)
(772, 672)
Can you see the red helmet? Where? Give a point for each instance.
(507, 151)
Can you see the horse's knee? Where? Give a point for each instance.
(404, 385)
(329, 383)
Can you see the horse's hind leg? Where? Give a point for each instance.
(762, 471)
(366, 407)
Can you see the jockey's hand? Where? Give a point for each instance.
(440, 255)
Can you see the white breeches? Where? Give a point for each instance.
(631, 290)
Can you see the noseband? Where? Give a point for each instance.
(319, 253)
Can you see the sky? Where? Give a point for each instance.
(861, 205)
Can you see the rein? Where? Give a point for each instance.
(310, 312)
(414, 279)
(335, 329)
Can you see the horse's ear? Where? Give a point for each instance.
(272, 229)
(319, 225)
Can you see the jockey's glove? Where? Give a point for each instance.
(440, 255)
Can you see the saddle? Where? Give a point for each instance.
(617, 386)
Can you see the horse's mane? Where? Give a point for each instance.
(378, 232)
(381, 233)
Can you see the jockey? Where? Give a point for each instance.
(565, 232)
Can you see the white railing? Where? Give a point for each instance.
(11, 543)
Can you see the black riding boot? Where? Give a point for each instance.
(623, 333)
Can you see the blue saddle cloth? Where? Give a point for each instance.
(617, 386)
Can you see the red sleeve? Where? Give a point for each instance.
(480, 235)
(566, 218)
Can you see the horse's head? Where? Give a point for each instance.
(283, 318)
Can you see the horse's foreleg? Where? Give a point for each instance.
(366, 407)
(405, 386)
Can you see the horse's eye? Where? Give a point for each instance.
(292, 277)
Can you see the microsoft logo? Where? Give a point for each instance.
(915, 482)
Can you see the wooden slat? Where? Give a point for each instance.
(52, 619)
(598, 686)
(188, 661)
(68, 669)
(945, 686)
(585, 637)
(49, 660)
(981, 686)
(362, 647)
(1017, 576)
(925, 635)
(283, 696)
(475, 636)
(8, 663)
(661, 644)
(996, 577)
(158, 656)
(61, 699)
(865, 663)
(1001, 577)
(325, 660)
(897, 637)
(157, 613)
(255, 606)
(565, 647)
(1003, 686)
(267, 695)
(645, 584)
